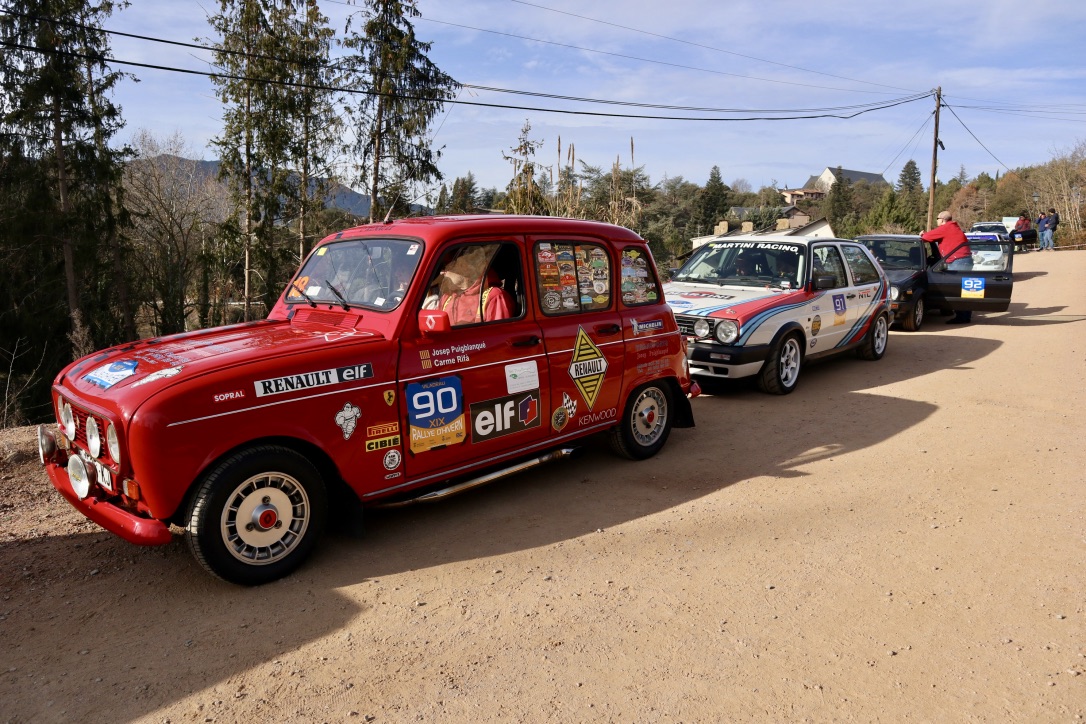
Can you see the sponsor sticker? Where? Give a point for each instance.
(587, 368)
(347, 419)
(110, 374)
(652, 325)
(390, 397)
(226, 396)
(310, 380)
(839, 308)
(504, 416)
(159, 375)
(382, 443)
(521, 377)
(392, 459)
(816, 325)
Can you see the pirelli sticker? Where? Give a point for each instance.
(382, 437)
(587, 368)
(309, 380)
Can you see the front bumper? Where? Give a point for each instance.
(718, 360)
(117, 520)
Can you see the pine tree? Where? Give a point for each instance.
(713, 202)
(403, 91)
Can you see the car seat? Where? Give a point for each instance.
(916, 256)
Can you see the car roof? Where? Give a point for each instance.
(442, 226)
(896, 237)
(798, 240)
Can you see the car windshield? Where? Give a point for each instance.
(745, 263)
(896, 253)
(372, 273)
(995, 228)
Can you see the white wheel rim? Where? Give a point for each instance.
(881, 333)
(918, 312)
(648, 417)
(265, 518)
(789, 363)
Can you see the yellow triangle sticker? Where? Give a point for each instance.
(588, 367)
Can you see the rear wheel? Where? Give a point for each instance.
(257, 515)
(780, 373)
(916, 318)
(874, 344)
(645, 424)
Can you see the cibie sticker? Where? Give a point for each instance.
(108, 375)
(973, 287)
(347, 419)
(435, 413)
(521, 377)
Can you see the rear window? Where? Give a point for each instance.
(572, 277)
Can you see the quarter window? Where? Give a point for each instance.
(572, 277)
(639, 283)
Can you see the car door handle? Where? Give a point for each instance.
(850, 296)
(1002, 279)
(527, 342)
(608, 329)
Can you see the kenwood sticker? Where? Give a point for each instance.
(309, 380)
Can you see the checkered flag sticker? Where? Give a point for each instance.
(570, 404)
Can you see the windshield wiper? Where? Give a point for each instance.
(340, 297)
(295, 287)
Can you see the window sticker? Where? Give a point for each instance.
(435, 413)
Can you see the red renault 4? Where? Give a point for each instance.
(405, 360)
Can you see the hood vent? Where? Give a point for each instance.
(345, 320)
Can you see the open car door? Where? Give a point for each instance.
(985, 287)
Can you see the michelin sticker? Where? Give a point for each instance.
(347, 419)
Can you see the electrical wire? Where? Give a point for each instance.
(952, 111)
(912, 140)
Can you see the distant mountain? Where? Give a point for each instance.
(341, 197)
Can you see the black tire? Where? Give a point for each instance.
(780, 373)
(912, 322)
(280, 495)
(645, 424)
(874, 345)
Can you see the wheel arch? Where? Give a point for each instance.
(317, 457)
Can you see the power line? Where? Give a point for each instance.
(355, 91)
(912, 139)
(951, 109)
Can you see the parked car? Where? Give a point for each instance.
(991, 227)
(920, 281)
(405, 360)
(761, 307)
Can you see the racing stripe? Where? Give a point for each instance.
(756, 321)
(707, 311)
(861, 325)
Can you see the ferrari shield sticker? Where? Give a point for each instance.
(973, 287)
(587, 368)
(435, 413)
(390, 397)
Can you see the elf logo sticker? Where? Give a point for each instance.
(587, 368)
(504, 415)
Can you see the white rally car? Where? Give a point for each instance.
(753, 305)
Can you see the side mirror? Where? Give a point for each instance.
(434, 321)
(824, 281)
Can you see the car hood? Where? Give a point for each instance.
(711, 300)
(902, 276)
(134, 371)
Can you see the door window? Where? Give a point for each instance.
(827, 260)
(863, 271)
(478, 284)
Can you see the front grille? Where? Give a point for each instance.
(686, 325)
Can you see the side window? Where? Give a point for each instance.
(639, 282)
(989, 256)
(477, 283)
(572, 277)
(863, 271)
(827, 260)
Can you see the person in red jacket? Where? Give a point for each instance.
(954, 249)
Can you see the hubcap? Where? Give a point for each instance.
(649, 416)
(881, 333)
(918, 312)
(265, 518)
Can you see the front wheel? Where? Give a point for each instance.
(645, 424)
(257, 515)
(780, 373)
(874, 344)
(912, 322)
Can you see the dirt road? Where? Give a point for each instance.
(896, 541)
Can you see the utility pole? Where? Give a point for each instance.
(934, 159)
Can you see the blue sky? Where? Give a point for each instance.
(1014, 73)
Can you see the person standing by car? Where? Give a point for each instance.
(1042, 224)
(1053, 220)
(954, 248)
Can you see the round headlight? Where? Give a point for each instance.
(78, 476)
(727, 331)
(94, 439)
(894, 293)
(67, 419)
(702, 328)
(112, 444)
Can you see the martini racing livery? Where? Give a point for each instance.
(405, 361)
(758, 306)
